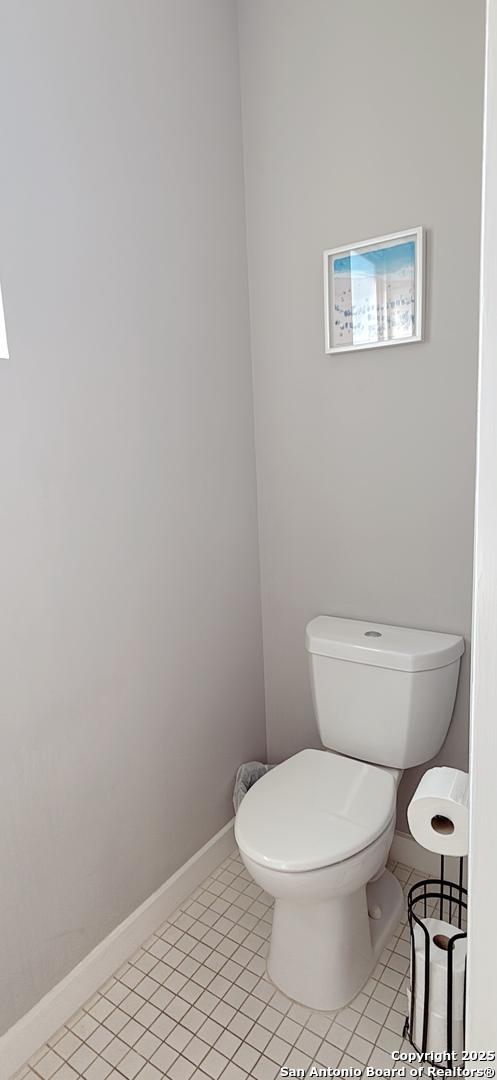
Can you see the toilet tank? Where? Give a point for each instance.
(383, 694)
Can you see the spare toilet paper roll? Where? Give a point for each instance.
(440, 933)
(438, 813)
(436, 1039)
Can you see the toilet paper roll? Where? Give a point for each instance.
(438, 813)
(440, 933)
(436, 1041)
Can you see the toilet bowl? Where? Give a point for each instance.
(315, 831)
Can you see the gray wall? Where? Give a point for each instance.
(361, 119)
(130, 638)
(131, 666)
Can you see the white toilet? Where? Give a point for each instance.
(315, 831)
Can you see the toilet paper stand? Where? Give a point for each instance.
(446, 901)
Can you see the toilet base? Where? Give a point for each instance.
(323, 953)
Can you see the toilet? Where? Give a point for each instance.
(315, 831)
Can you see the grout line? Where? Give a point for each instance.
(183, 933)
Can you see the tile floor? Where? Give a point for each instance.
(195, 1001)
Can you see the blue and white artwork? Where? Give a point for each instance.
(372, 294)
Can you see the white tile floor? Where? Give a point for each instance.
(195, 1002)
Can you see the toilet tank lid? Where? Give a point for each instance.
(398, 647)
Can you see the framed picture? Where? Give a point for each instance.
(373, 292)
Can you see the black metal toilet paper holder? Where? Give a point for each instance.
(449, 902)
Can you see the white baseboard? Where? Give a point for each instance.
(22, 1040)
(406, 850)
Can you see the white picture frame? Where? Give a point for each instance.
(374, 292)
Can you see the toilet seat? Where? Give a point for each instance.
(314, 810)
